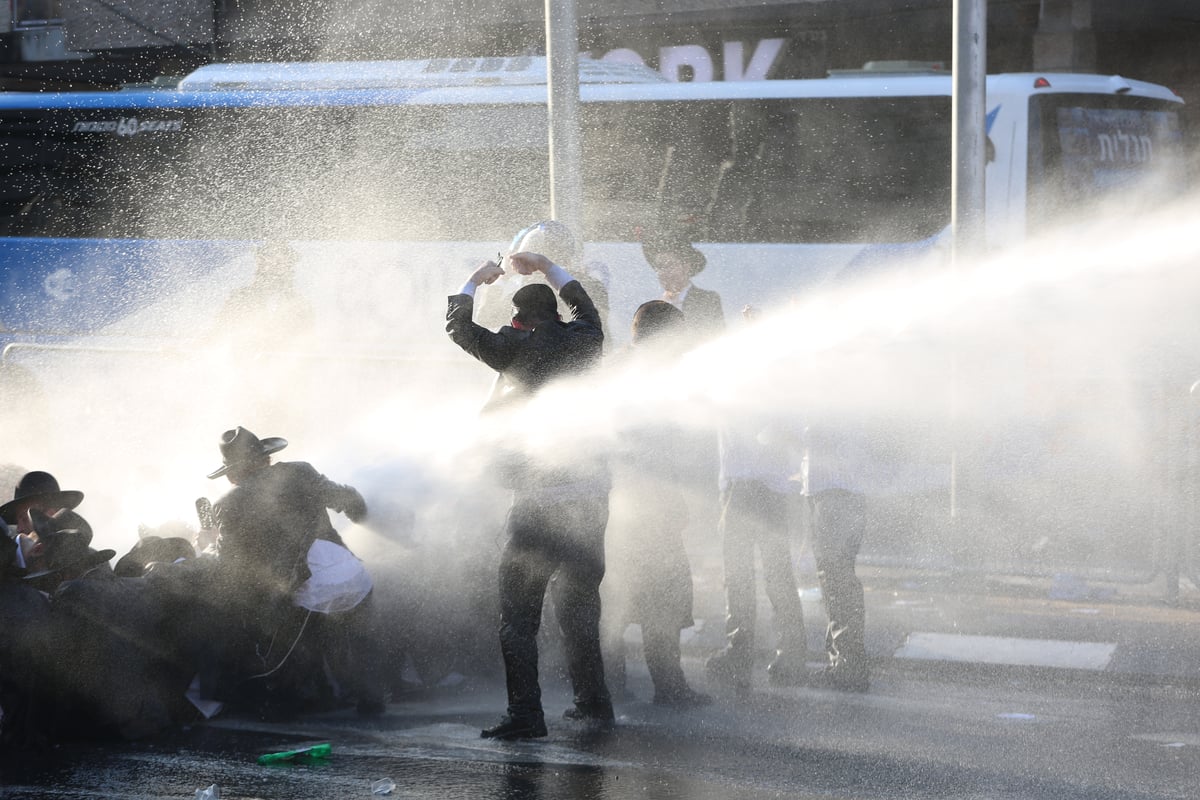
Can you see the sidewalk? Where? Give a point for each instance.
(948, 623)
(1110, 630)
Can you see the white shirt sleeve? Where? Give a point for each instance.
(468, 289)
(558, 277)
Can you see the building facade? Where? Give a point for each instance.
(61, 42)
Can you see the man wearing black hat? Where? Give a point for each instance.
(53, 540)
(271, 524)
(675, 261)
(39, 491)
(557, 520)
(58, 554)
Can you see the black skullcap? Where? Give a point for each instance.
(536, 299)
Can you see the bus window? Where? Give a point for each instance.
(797, 170)
(446, 173)
(802, 170)
(43, 175)
(384, 172)
(645, 160)
(1084, 149)
(854, 170)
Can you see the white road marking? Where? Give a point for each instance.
(1007, 650)
(1170, 739)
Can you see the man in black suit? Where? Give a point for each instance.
(675, 260)
(275, 532)
(560, 510)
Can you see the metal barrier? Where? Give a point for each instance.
(186, 351)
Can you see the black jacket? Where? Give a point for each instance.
(270, 519)
(528, 360)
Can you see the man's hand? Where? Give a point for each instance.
(205, 540)
(357, 510)
(529, 263)
(488, 272)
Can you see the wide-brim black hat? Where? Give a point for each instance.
(673, 243)
(153, 549)
(66, 550)
(239, 446)
(41, 488)
(84, 562)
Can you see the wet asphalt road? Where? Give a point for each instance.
(915, 735)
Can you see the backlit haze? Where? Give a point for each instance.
(1055, 375)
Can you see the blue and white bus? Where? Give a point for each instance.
(114, 201)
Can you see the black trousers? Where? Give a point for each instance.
(754, 516)
(838, 524)
(660, 645)
(563, 539)
(350, 642)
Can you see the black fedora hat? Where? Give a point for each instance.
(67, 551)
(42, 488)
(239, 446)
(152, 549)
(672, 242)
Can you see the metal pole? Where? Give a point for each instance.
(562, 88)
(969, 108)
(968, 154)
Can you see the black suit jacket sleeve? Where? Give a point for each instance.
(499, 349)
(494, 349)
(581, 305)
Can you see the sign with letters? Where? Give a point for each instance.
(695, 63)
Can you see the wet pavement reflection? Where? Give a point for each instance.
(916, 735)
(442, 760)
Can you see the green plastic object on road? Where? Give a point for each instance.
(317, 751)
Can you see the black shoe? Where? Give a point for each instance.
(510, 728)
(682, 699)
(841, 679)
(785, 671)
(729, 668)
(600, 712)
